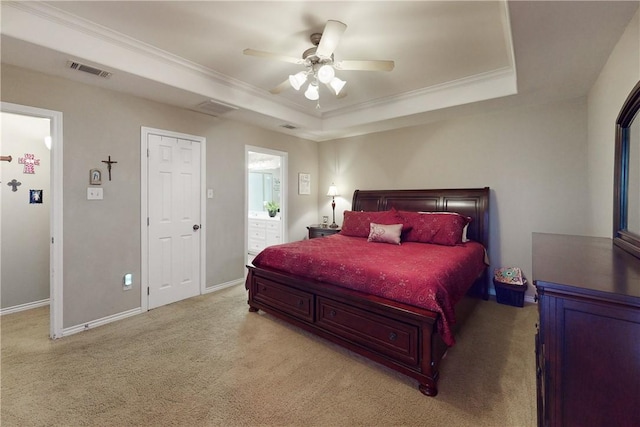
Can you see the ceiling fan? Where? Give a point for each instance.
(320, 65)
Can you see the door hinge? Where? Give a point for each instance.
(147, 290)
(147, 221)
(147, 152)
(52, 240)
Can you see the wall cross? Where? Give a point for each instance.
(109, 163)
(14, 184)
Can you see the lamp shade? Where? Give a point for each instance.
(337, 85)
(333, 191)
(297, 80)
(312, 92)
(326, 73)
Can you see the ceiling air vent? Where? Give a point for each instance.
(288, 126)
(214, 108)
(88, 69)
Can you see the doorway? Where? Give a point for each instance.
(51, 122)
(266, 201)
(173, 217)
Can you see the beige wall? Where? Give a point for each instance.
(549, 167)
(534, 159)
(102, 239)
(620, 74)
(25, 226)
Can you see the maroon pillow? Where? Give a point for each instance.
(358, 223)
(440, 228)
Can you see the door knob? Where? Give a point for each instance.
(196, 227)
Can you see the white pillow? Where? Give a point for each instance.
(382, 233)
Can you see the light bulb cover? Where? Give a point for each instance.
(297, 80)
(337, 84)
(333, 191)
(312, 92)
(326, 73)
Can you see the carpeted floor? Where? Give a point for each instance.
(207, 361)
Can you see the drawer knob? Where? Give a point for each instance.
(264, 288)
(332, 313)
(393, 336)
(300, 303)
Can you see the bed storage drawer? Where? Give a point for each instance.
(288, 300)
(378, 333)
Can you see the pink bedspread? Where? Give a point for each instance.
(425, 275)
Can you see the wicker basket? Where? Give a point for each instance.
(510, 294)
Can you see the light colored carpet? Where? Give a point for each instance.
(207, 361)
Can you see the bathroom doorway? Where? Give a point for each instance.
(266, 201)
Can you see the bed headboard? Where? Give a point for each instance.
(472, 202)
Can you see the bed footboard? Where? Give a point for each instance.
(401, 337)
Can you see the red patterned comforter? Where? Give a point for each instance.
(425, 275)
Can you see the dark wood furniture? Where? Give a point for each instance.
(402, 337)
(626, 226)
(320, 230)
(588, 339)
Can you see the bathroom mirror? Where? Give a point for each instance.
(626, 192)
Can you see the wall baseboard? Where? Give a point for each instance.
(99, 322)
(133, 312)
(23, 307)
(221, 286)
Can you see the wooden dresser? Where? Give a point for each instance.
(588, 339)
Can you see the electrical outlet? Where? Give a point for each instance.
(127, 281)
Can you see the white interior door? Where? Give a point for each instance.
(174, 219)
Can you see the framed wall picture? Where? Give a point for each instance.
(95, 177)
(35, 197)
(304, 183)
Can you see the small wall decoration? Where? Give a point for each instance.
(109, 163)
(35, 196)
(304, 183)
(95, 177)
(14, 184)
(30, 162)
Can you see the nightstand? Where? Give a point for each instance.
(319, 230)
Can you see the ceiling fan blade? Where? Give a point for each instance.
(331, 35)
(274, 56)
(372, 65)
(281, 87)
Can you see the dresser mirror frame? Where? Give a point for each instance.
(626, 160)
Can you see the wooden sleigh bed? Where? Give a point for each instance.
(401, 336)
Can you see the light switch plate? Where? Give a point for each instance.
(94, 193)
(210, 193)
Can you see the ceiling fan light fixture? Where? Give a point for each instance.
(326, 73)
(337, 85)
(297, 80)
(312, 93)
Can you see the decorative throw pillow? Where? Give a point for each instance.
(441, 228)
(385, 233)
(357, 223)
(464, 230)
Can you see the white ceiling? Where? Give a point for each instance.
(451, 57)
